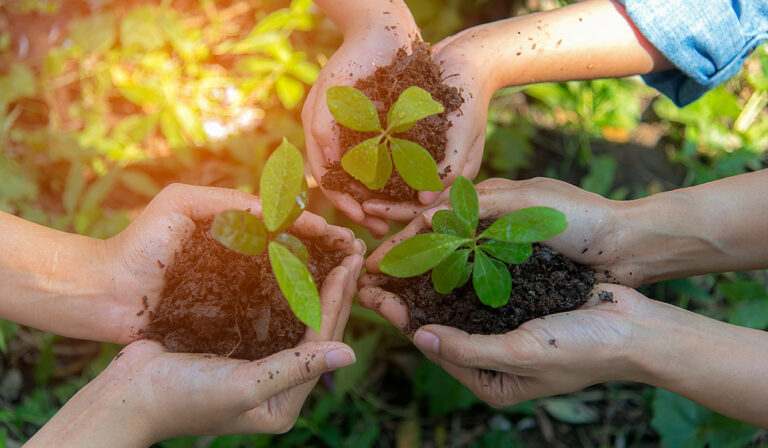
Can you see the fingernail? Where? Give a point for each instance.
(365, 246)
(427, 341)
(340, 357)
(431, 212)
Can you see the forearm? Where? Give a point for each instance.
(52, 280)
(721, 366)
(587, 40)
(715, 227)
(359, 18)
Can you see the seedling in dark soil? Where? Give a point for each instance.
(283, 198)
(370, 161)
(447, 251)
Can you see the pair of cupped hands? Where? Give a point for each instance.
(161, 395)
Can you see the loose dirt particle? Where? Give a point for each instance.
(605, 296)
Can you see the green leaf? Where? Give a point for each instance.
(413, 104)
(415, 165)
(16, 184)
(280, 184)
(449, 272)
(74, 186)
(297, 285)
(419, 254)
(369, 162)
(491, 280)
(189, 120)
(240, 231)
(510, 253)
(300, 204)
(141, 29)
(528, 225)
(289, 91)
(465, 202)
(293, 244)
(140, 183)
(447, 221)
(306, 71)
(94, 34)
(353, 109)
(602, 172)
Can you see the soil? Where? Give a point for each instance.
(383, 87)
(546, 283)
(218, 301)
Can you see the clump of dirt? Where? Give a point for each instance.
(546, 283)
(218, 301)
(383, 87)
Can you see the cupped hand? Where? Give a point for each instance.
(139, 256)
(148, 394)
(463, 69)
(595, 224)
(357, 58)
(558, 354)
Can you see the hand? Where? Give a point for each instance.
(147, 394)
(595, 224)
(139, 255)
(462, 68)
(357, 58)
(562, 353)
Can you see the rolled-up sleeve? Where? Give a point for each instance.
(706, 40)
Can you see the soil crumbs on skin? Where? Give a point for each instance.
(383, 87)
(218, 301)
(546, 283)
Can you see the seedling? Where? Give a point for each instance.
(447, 250)
(370, 161)
(283, 198)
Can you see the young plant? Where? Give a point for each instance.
(283, 198)
(447, 250)
(370, 161)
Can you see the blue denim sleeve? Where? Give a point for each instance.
(706, 40)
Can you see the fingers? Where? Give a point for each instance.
(386, 304)
(463, 349)
(204, 202)
(396, 211)
(292, 367)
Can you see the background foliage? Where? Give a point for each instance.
(103, 103)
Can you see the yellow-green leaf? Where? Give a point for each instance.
(415, 165)
(289, 91)
(413, 104)
(353, 109)
(297, 285)
(280, 184)
(368, 162)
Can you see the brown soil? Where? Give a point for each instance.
(383, 87)
(218, 301)
(546, 283)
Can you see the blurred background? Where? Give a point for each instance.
(104, 102)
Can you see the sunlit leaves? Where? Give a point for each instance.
(419, 254)
(289, 91)
(415, 165)
(297, 285)
(95, 33)
(141, 30)
(240, 231)
(281, 182)
(411, 106)
(294, 245)
(17, 83)
(353, 109)
(527, 225)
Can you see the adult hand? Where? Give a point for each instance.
(139, 256)
(364, 49)
(147, 394)
(463, 69)
(595, 224)
(562, 353)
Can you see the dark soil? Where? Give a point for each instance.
(546, 283)
(218, 301)
(383, 87)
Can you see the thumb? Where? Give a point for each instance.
(292, 367)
